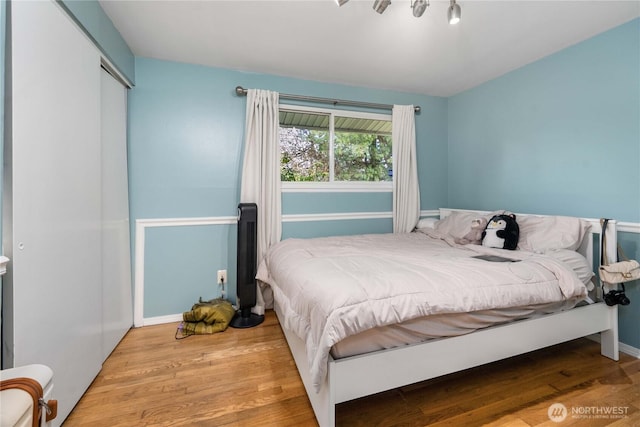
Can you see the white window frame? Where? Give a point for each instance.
(336, 186)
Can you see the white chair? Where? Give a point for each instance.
(16, 406)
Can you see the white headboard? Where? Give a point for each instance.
(586, 248)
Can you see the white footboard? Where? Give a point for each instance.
(323, 403)
(359, 376)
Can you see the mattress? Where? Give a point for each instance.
(440, 326)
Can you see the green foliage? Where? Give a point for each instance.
(305, 155)
(358, 156)
(362, 157)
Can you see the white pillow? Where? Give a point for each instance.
(458, 223)
(426, 223)
(540, 234)
(575, 261)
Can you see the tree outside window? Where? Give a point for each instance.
(335, 146)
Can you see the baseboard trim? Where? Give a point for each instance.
(625, 348)
(631, 351)
(160, 320)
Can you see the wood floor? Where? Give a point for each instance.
(247, 377)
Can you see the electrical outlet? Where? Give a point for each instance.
(222, 276)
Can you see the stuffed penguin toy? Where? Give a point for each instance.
(502, 232)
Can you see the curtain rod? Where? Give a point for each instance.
(240, 91)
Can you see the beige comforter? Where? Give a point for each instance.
(331, 288)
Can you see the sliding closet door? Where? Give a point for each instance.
(117, 306)
(56, 199)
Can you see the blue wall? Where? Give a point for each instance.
(559, 136)
(186, 130)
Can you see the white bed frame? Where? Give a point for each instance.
(357, 376)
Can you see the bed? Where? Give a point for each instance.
(365, 314)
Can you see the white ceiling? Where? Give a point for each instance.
(352, 44)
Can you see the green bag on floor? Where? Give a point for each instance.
(206, 317)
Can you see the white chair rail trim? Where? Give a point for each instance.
(143, 224)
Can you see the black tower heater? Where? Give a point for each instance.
(246, 267)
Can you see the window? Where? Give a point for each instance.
(335, 149)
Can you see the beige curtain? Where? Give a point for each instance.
(261, 171)
(406, 190)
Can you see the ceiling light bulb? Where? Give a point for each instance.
(419, 6)
(380, 5)
(341, 2)
(454, 13)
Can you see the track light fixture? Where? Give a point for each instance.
(418, 7)
(381, 5)
(454, 13)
